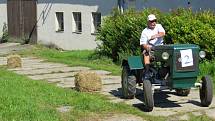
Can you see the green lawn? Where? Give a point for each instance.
(208, 68)
(23, 99)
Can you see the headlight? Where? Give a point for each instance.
(202, 54)
(165, 55)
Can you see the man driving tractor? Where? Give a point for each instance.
(151, 36)
(174, 67)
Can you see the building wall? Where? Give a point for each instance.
(67, 39)
(3, 14)
(166, 5)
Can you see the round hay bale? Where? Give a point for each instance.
(87, 81)
(14, 61)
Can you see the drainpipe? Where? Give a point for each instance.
(121, 5)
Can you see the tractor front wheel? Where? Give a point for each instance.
(148, 96)
(128, 83)
(206, 91)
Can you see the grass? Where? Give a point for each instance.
(191, 117)
(199, 118)
(208, 68)
(23, 99)
(75, 58)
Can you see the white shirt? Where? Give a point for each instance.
(148, 33)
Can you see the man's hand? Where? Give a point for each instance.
(147, 47)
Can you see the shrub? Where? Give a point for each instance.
(120, 33)
(184, 26)
(5, 36)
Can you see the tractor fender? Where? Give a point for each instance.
(134, 62)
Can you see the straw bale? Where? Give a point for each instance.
(87, 81)
(14, 61)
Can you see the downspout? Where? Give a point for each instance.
(121, 5)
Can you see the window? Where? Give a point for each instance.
(96, 21)
(59, 21)
(77, 22)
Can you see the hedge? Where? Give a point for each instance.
(119, 33)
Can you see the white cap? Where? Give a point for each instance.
(151, 17)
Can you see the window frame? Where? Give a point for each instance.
(77, 22)
(59, 23)
(96, 22)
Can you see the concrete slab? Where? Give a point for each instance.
(111, 80)
(43, 65)
(122, 117)
(39, 66)
(52, 76)
(56, 80)
(3, 63)
(65, 86)
(211, 113)
(64, 109)
(6, 45)
(25, 61)
(8, 48)
(101, 72)
(40, 71)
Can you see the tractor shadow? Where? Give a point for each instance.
(160, 99)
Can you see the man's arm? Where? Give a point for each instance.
(160, 34)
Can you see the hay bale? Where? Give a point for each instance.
(14, 61)
(87, 81)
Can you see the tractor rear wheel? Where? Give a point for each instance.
(206, 91)
(128, 83)
(148, 96)
(182, 92)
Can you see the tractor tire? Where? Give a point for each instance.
(148, 96)
(182, 92)
(128, 83)
(206, 91)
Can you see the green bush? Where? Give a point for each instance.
(185, 26)
(5, 36)
(120, 33)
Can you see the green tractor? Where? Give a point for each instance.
(173, 67)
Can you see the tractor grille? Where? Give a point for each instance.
(194, 67)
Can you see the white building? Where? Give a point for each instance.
(72, 24)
